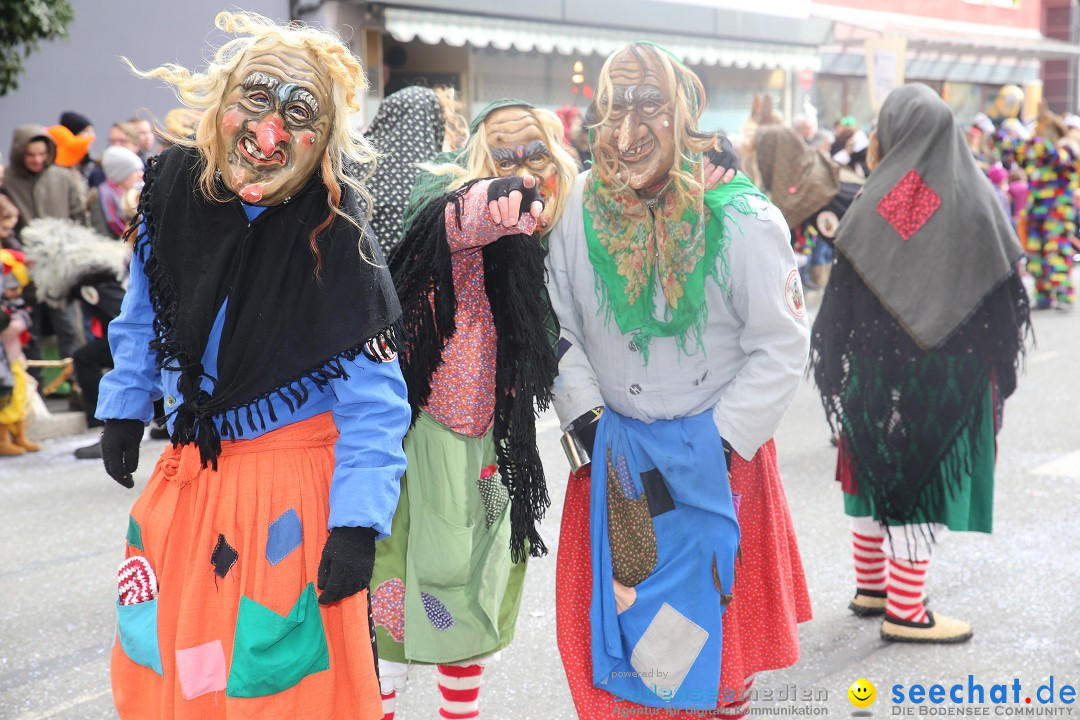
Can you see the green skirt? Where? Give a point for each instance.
(965, 501)
(444, 588)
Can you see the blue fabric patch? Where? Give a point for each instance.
(564, 345)
(284, 537)
(137, 627)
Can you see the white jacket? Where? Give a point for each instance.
(756, 342)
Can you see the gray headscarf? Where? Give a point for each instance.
(948, 243)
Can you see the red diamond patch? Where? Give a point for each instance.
(909, 205)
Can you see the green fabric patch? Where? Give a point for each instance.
(272, 653)
(137, 626)
(134, 534)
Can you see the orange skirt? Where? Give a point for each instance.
(236, 630)
(760, 625)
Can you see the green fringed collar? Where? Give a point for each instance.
(634, 248)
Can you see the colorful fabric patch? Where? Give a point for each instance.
(137, 627)
(272, 653)
(437, 613)
(134, 534)
(388, 608)
(793, 295)
(631, 535)
(494, 494)
(563, 347)
(284, 537)
(223, 557)
(136, 582)
(909, 204)
(201, 669)
(622, 470)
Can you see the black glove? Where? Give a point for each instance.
(348, 560)
(120, 449)
(502, 187)
(725, 157)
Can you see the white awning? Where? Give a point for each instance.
(480, 31)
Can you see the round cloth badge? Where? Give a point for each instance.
(793, 295)
(827, 222)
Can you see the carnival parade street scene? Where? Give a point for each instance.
(461, 360)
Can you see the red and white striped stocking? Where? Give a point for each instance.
(869, 561)
(389, 704)
(907, 578)
(460, 689)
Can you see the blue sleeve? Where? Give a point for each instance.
(129, 390)
(372, 416)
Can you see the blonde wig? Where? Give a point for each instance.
(476, 162)
(455, 129)
(687, 173)
(205, 92)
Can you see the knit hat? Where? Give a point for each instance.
(74, 122)
(119, 162)
(70, 148)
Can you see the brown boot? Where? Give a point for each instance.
(7, 447)
(18, 434)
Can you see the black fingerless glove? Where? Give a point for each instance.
(725, 157)
(120, 449)
(502, 187)
(348, 560)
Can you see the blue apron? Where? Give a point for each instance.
(665, 649)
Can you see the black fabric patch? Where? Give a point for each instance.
(564, 346)
(656, 492)
(223, 557)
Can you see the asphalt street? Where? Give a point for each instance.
(62, 525)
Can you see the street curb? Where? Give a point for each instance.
(58, 424)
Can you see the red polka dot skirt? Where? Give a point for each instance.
(760, 625)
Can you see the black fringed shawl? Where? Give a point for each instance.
(282, 323)
(900, 408)
(525, 365)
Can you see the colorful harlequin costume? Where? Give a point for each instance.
(259, 307)
(477, 358)
(1049, 219)
(681, 316)
(915, 349)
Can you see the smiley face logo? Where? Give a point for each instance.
(862, 693)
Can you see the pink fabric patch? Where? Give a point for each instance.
(909, 204)
(201, 669)
(388, 608)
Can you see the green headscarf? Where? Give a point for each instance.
(428, 185)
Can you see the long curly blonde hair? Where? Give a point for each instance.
(687, 172)
(477, 161)
(205, 91)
